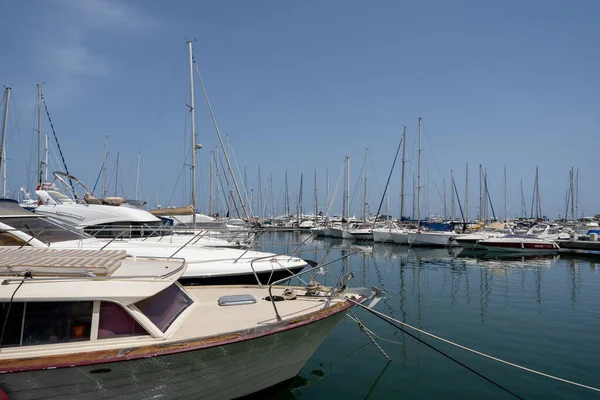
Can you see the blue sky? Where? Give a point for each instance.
(299, 85)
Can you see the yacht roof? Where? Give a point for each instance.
(75, 275)
(52, 262)
(11, 208)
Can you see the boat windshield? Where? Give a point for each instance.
(43, 229)
(164, 307)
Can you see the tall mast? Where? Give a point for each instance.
(505, 196)
(3, 145)
(452, 207)
(402, 179)
(445, 213)
(287, 196)
(316, 207)
(572, 184)
(137, 178)
(105, 172)
(46, 159)
(481, 218)
(365, 188)
(523, 208)
(271, 194)
(259, 196)
(218, 178)
(193, 128)
(348, 188)
(39, 132)
(577, 194)
(419, 180)
(467, 192)
(117, 173)
(210, 184)
(414, 194)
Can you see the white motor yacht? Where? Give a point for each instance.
(97, 324)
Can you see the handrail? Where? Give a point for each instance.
(302, 273)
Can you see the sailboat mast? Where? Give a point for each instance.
(117, 173)
(445, 213)
(105, 172)
(193, 129)
(419, 180)
(137, 178)
(523, 209)
(505, 196)
(576, 194)
(46, 159)
(287, 195)
(481, 217)
(39, 132)
(402, 179)
(365, 188)
(467, 192)
(3, 146)
(316, 210)
(452, 207)
(210, 184)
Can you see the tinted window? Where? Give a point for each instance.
(164, 307)
(43, 229)
(51, 322)
(115, 321)
(12, 330)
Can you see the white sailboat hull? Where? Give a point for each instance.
(434, 239)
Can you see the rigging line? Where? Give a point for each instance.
(394, 322)
(98, 178)
(358, 181)
(373, 174)
(214, 120)
(237, 165)
(330, 206)
(431, 150)
(17, 118)
(58, 145)
(388, 179)
(385, 317)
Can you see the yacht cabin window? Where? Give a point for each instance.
(36, 323)
(116, 322)
(43, 229)
(164, 307)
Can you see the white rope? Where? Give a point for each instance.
(474, 351)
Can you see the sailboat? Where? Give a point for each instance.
(421, 237)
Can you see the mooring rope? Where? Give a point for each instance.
(388, 319)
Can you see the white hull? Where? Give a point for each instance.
(400, 237)
(221, 372)
(382, 236)
(336, 232)
(434, 239)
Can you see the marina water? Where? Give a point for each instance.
(542, 313)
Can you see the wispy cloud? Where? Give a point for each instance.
(69, 49)
(108, 13)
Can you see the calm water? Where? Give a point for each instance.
(543, 313)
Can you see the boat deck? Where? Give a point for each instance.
(208, 318)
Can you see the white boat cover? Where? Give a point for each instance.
(43, 261)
